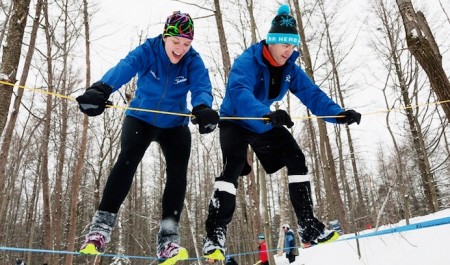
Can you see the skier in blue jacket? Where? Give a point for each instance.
(261, 75)
(290, 248)
(167, 68)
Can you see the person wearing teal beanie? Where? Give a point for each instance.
(262, 75)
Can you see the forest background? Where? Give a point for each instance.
(379, 57)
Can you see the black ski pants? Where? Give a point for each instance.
(136, 137)
(275, 149)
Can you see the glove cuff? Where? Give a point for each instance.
(101, 87)
(200, 107)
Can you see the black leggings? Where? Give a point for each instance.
(136, 137)
(275, 149)
(290, 257)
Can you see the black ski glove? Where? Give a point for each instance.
(206, 118)
(95, 99)
(350, 116)
(279, 118)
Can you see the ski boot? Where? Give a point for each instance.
(311, 236)
(99, 233)
(213, 251)
(169, 249)
(327, 236)
(94, 244)
(170, 253)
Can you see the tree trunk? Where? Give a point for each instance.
(335, 205)
(322, 127)
(191, 225)
(254, 192)
(46, 140)
(8, 66)
(339, 94)
(31, 216)
(411, 24)
(76, 179)
(5, 22)
(253, 28)
(61, 163)
(422, 45)
(222, 40)
(7, 136)
(264, 211)
(401, 169)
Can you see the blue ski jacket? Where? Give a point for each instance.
(289, 241)
(161, 85)
(247, 92)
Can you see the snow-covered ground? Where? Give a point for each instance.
(427, 246)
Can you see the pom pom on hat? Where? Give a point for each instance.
(284, 28)
(284, 10)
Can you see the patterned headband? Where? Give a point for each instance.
(179, 25)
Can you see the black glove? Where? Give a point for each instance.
(95, 99)
(279, 118)
(350, 116)
(206, 118)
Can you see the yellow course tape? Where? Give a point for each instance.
(222, 118)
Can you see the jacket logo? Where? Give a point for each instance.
(288, 78)
(180, 79)
(154, 75)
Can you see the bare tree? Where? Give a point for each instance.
(6, 9)
(67, 82)
(7, 136)
(445, 12)
(422, 45)
(426, 175)
(389, 27)
(9, 65)
(333, 199)
(76, 178)
(45, 141)
(222, 40)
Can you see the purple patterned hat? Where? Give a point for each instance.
(179, 25)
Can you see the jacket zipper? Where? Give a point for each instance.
(163, 95)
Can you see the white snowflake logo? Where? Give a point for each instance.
(287, 21)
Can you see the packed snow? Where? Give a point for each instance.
(427, 246)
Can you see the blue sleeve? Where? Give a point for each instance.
(312, 96)
(200, 84)
(128, 67)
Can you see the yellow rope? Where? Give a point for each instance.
(222, 118)
(38, 90)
